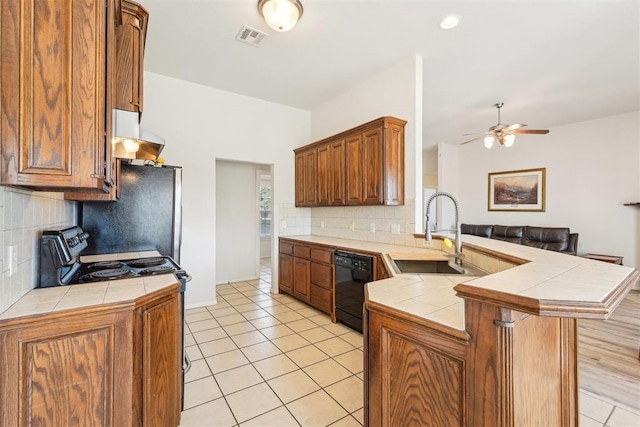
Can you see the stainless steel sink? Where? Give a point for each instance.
(426, 267)
(433, 267)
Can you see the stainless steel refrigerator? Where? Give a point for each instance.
(147, 216)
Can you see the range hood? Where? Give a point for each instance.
(131, 141)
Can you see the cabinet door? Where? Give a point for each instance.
(353, 147)
(372, 166)
(306, 168)
(321, 290)
(337, 161)
(162, 363)
(130, 41)
(416, 376)
(301, 278)
(55, 102)
(73, 370)
(310, 169)
(285, 274)
(324, 175)
(394, 164)
(300, 197)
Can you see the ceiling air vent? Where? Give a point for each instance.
(250, 35)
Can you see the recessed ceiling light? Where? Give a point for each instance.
(449, 22)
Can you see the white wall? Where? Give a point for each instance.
(237, 225)
(201, 124)
(592, 170)
(449, 182)
(397, 91)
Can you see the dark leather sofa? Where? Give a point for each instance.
(559, 239)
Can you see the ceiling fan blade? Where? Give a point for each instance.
(472, 139)
(513, 127)
(536, 131)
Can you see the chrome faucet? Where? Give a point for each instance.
(427, 233)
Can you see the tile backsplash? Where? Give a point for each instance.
(23, 216)
(382, 224)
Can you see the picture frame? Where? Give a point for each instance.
(519, 190)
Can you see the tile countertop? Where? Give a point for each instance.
(546, 283)
(47, 300)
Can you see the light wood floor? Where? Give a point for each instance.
(608, 355)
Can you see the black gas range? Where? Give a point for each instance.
(60, 262)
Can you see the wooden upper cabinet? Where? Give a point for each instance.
(130, 42)
(323, 177)
(306, 169)
(55, 99)
(361, 166)
(330, 176)
(354, 165)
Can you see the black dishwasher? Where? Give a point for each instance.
(352, 271)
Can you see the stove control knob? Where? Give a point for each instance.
(73, 241)
(83, 236)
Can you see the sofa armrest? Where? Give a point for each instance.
(572, 249)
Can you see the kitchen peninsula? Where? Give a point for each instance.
(512, 360)
(498, 349)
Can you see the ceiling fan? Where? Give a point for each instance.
(504, 134)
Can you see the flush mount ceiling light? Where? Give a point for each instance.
(280, 15)
(449, 22)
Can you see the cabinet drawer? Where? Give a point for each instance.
(286, 248)
(301, 251)
(322, 255)
(322, 275)
(321, 299)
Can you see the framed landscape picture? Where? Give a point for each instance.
(522, 190)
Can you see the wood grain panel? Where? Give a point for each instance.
(74, 369)
(162, 364)
(130, 39)
(354, 170)
(394, 165)
(322, 275)
(373, 168)
(424, 385)
(47, 89)
(323, 177)
(337, 161)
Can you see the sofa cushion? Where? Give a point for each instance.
(551, 238)
(477, 230)
(508, 233)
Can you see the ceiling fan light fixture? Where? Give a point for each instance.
(280, 15)
(509, 139)
(489, 140)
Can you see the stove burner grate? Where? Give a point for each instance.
(161, 269)
(145, 262)
(106, 265)
(113, 273)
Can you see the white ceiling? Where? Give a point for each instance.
(550, 62)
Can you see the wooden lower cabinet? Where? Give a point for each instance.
(412, 377)
(306, 272)
(161, 349)
(506, 369)
(97, 366)
(301, 278)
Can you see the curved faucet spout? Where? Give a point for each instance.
(427, 232)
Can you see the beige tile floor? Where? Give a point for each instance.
(265, 360)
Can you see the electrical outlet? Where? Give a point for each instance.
(352, 225)
(283, 224)
(395, 228)
(372, 227)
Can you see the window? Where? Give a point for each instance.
(265, 211)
